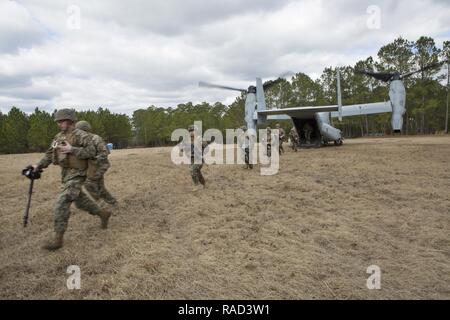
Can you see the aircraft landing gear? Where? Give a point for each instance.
(338, 142)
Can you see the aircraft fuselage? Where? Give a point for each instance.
(316, 129)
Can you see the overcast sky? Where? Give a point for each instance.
(126, 55)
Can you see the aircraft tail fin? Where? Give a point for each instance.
(260, 100)
(260, 97)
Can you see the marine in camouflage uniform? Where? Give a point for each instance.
(269, 142)
(281, 136)
(244, 143)
(97, 167)
(70, 150)
(192, 149)
(293, 135)
(307, 129)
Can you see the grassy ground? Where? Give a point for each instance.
(310, 231)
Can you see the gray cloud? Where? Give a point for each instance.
(18, 28)
(134, 54)
(14, 81)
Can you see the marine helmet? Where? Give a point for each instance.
(83, 125)
(65, 114)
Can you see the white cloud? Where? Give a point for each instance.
(128, 55)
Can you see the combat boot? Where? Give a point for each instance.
(112, 202)
(202, 181)
(56, 243)
(104, 217)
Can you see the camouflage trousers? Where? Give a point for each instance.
(247, 158)
(196, 173)
(71, 192)
(280, 147)
(294, 142)
(97, 189)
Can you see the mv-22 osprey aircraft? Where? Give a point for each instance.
(319, 118)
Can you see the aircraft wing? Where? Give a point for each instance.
(298, 112)
(362, 109)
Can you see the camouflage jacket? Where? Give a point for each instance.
(193, 151)
(98, 165)
(293, 134)
(73, 164)
(282, 134)
(268, 139)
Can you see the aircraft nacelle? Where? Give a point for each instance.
(250, 107)
(397, 95)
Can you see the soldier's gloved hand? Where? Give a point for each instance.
(96, 177)
(65, 148)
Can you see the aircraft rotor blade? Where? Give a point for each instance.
(427, 67)
(383, 76)
(210, 85)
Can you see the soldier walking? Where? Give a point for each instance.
(293, 135)
(195, 148)
(269, 142)
(97, 166)
(245, 145)
(70, 149)
(307, 130)
(281, 136)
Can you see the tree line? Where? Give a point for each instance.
(426, 104)
(20, 132)
(426, 98)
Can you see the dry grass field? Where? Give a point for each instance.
(308, 232)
